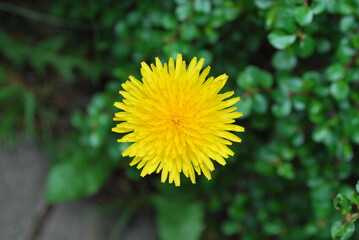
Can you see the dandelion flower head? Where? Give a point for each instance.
(176, 120)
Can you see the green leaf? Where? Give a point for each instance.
(168, 21)
(189, 31)
(347, 7)
(284, 19)
(322, 202)
(52, 44)
(354, 39)
(321, 133)
(202, 6)
(245, 106)
(342, 231)
(3, 74)
(280, 39)
(265, 79)
(342, 203)
(306, 46)
(298, 139)
(179, 220)
(271, 17)
(357, 187)
(315, 111)
(354, 197)
(303, 15)
(332, 6)
(263, 4)
(321, 90)
(300, 102)
(290, 84)
(344, 151)
(282, 109)
(310, 79)
(353, 75)
(284, 60)
(183, 11)
(247, 79)
(29, 114)
(286, 170)
(252, 76)
(274, 227)
(260, 103)
(318, 6)
(339, 90)
(347, 23)
(335, 72)
(74, 179)
(345, 51)
(236, 209)
(230, 228)
(323, 46)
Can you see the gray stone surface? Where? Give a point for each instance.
(141, 228)
(22, 176)
(23, 212)
(74, 221)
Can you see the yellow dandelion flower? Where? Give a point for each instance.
(176, 120)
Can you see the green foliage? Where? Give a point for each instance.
(20, 108)
(344, 202)
(45, 54)
(303, 15)
(280, 39)
(88, 157)
(82, 179)
(178, 219)
(294, 63)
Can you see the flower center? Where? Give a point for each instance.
(176, 121)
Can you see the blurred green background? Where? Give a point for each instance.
(295, 64)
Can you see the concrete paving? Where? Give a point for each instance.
(25, 216)
(22, 176)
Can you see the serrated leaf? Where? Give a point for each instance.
(179, 220)
(74, 179)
